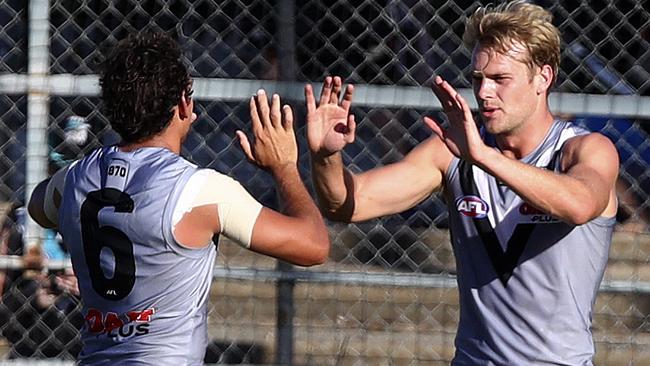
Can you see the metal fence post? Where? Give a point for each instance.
(285, 15)
(37, 108)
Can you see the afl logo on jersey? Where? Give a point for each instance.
(472, 206)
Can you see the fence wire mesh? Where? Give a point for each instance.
(354, 309)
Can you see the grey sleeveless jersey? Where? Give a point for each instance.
(144, 295)
(527, 281)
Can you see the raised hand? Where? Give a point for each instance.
(462, 138)
(330, 126)
(274, 144)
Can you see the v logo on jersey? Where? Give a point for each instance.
(504, 263)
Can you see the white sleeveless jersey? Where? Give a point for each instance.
(527, 281)
(144, 295)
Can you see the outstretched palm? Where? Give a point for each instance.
(462, 138)
(330, 126)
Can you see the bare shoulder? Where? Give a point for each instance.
(591, 142)
(593, 148)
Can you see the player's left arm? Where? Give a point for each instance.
(583, 189)
(44, 202)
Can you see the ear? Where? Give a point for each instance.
(544, 79)
(184, 107)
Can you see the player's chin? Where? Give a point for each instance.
(494, 126)
(489, 125)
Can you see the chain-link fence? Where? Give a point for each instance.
(387, 295)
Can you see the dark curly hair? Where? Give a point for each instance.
(142, 79)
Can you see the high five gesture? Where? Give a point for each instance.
(330, 126)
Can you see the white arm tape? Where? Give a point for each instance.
(237, 209)
(56, 184)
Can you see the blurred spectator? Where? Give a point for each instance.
(39, 313)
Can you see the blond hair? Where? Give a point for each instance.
(516, 23)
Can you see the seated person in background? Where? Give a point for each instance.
(40, 314)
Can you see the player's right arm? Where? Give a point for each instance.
(219, 204)
(389, 189)
(298, 234)
(212, 202)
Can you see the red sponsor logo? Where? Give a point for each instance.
(119, 326)
(536, 215)
(526, 209)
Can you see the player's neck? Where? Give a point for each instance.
(156, 141)
(527, 138)
(170, 138)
